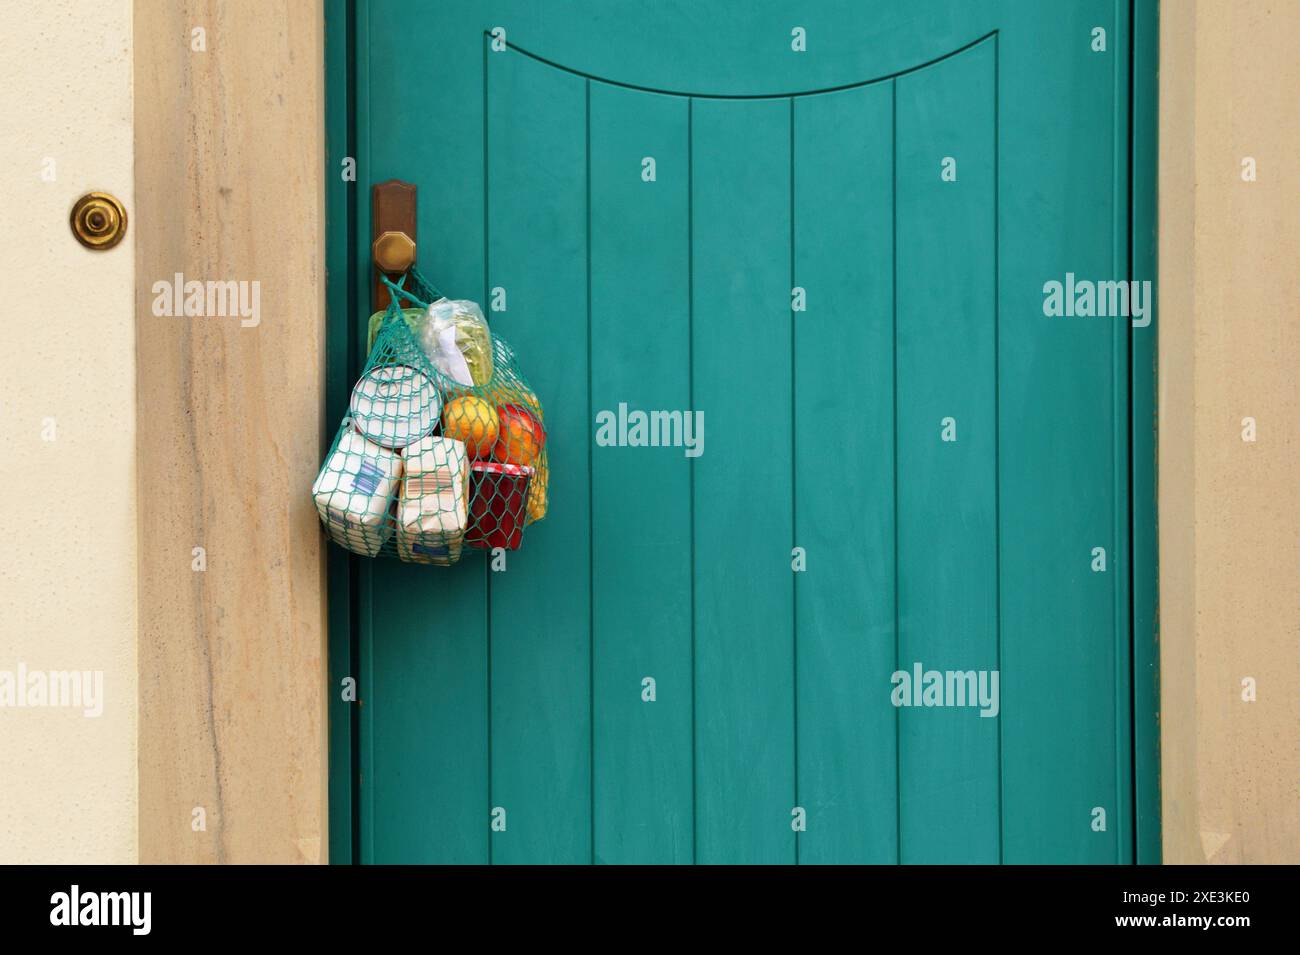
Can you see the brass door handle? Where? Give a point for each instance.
(393, 251)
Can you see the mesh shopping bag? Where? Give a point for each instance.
(444, 445)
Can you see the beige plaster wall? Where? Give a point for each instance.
(68, 511)
(1230, 508)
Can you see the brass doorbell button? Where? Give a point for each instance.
(98, 220)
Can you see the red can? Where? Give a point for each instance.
(497, 501)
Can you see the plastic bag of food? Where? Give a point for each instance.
(455, 336)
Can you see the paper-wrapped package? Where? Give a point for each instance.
(434, 506)
(354, 493)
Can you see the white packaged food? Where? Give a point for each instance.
(354, 493)
(434, 508)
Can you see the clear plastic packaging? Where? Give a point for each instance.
(455, 336)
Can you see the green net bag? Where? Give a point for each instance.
(444, 445)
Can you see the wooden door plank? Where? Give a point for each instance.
(947, 502)
(424, 630)
(541, 605)
(744, 613)
(641, 506)
(1061, 207)
(844, 474)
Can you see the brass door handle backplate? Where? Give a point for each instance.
(392, 230)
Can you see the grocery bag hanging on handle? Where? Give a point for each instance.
(444, 444)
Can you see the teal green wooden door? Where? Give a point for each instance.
(827, 229)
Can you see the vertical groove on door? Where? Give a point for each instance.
(690, 386)
(1118, 399)
(361, 578)
(591, 497)
(893, 246)
(794, 494)
(487, 572)
(1120, 419)
(997, 413)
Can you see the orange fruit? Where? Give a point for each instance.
(472, 420)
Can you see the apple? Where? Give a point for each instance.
(520, 436)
